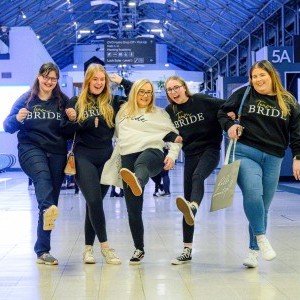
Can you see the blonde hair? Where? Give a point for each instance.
(182, 82)
(104, 100)
(130, 108)
(284, 99)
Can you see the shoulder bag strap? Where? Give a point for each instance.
(73, 142)
(243, 100)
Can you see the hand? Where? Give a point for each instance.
(231, 115)
(178, 139)
(235, 131)
(96, 122)
(115, 78)
(71, 114)
(296, 169)
(169, 163)
(22, 114)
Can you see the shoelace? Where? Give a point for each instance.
(186, 254)
(47, 256)
(264, 244)
(111, 254)
(137, 253)
(89, 253)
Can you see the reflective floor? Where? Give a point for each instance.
(216, 271)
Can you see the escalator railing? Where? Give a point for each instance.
(6, 161)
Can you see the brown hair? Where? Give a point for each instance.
(284, 99)
(57, 94)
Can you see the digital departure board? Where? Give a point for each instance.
(130, 51)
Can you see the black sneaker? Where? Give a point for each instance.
(185, 257)
(165, 194)
(137, 256)
(188, 209)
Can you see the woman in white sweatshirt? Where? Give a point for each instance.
(142, 128)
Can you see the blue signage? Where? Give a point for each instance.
(278, 55)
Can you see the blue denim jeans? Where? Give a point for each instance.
(258, 178)
(47, 173)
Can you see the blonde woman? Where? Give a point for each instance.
(92, 116)
(141, 128)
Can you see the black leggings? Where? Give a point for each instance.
(144, 164)
(196, 169)
(89, 166)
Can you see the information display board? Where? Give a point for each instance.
(130, 51)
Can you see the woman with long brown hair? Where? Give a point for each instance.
(270, 120)
(42, 149)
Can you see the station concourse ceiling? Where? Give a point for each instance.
(198, 33)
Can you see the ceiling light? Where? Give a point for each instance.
(38, 36)
(154, 21)
(128, 25)
(131, 3)
(101, 2)
(105, 36)
(167, 65)
(23, 15)
(149, 36)
(152, 1)
(75, 66)
(156, 30)
(84, 31)
(105, 22)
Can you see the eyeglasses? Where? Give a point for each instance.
(143, 93)
(47, 78)
(174, 89)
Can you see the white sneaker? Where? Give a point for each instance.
(251, 260)
(88, 255)
(267, 252)
(110, 256)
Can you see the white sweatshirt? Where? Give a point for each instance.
(145, 130)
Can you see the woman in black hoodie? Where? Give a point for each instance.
(42, 149)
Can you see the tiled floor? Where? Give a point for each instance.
(216, 271)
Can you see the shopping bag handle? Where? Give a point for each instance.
(229, 150)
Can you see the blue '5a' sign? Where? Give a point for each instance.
(278, 55)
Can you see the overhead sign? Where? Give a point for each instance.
(279, 55)
(130, 51)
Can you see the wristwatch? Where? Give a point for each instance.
(297, 157)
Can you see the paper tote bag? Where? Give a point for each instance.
(110, 174)
(226, 182)
(70, 168)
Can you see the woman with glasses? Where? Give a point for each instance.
(141, 129)
(42, 149)
(195, 117)
(92, 116)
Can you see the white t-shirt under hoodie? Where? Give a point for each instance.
(145, 130)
